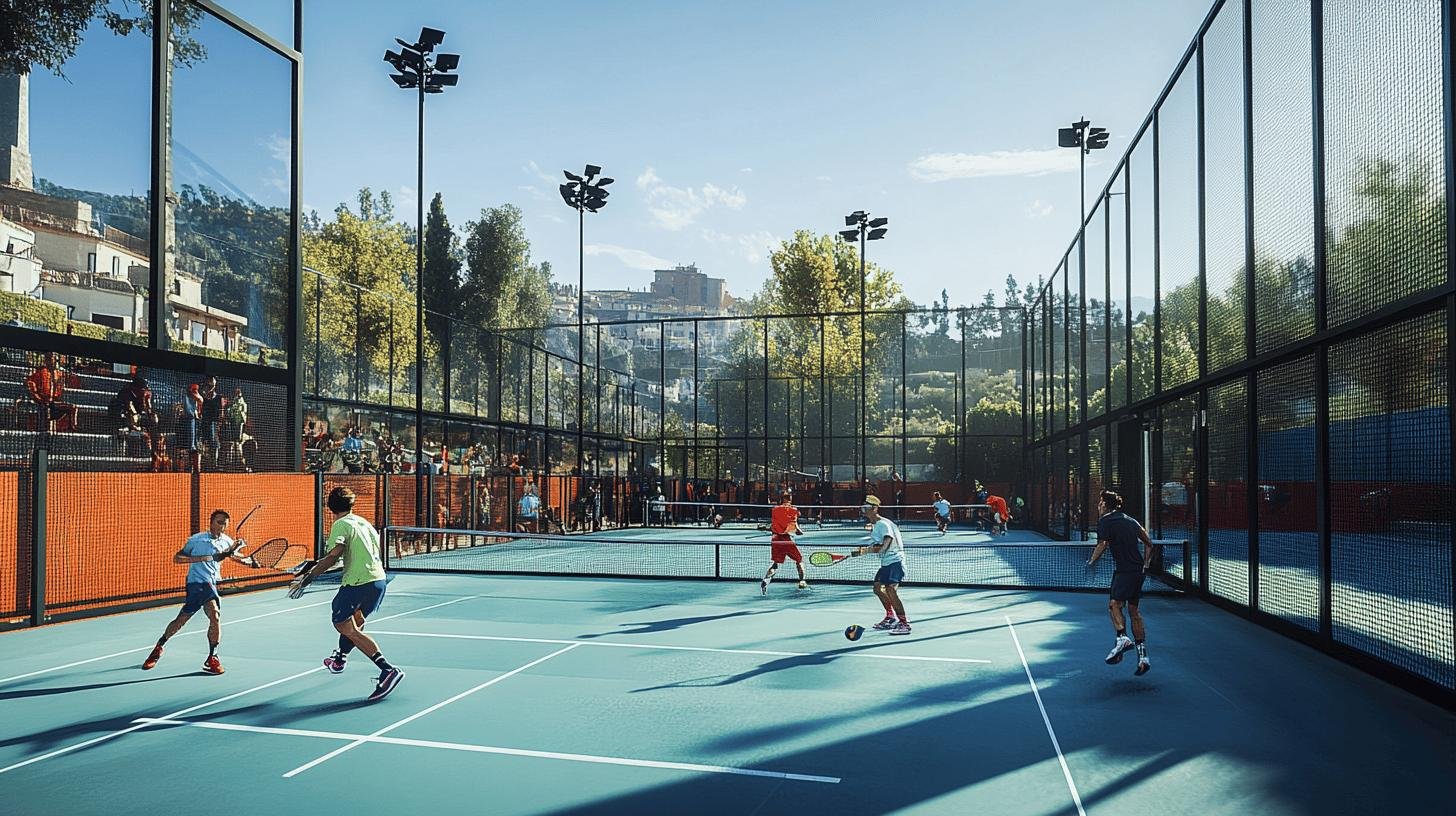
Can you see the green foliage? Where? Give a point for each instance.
(48, 32)
(502, 288)
(35, 314)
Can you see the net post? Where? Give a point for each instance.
(40, 463)
(384, 518)
(717, 561)
(1187, 554)
(318, 514)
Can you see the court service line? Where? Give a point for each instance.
(1066, 772)
(190, 709)
(614, 645)
(411, 718)
(490, 749)
(4, 680)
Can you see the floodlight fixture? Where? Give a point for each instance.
(444, 80)
(592, 171)
(403, 80)
(604, 181)
(1097, 138)
(571, 175)
(429, 38)
(1068, 137)
(850, 235)
(447, 62)
(876, 234)
(879, 222)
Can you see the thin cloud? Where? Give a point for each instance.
(753, 247)
(674, 208)
(935, 167)
(534, 169)
(1038, 209)
(634, 258)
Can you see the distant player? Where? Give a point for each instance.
(202, 553)
(942, 512)
(1000, 514)
(785, 520)
(1121, 533)
(891, 547)
(361, 592)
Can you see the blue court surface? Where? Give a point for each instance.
(578, 695)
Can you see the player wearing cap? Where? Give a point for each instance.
(1121, 533)
(202, 554)
(783, 520)
(891, 547)
(942, 512)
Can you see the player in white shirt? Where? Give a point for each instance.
(942, 512)
(891, 547)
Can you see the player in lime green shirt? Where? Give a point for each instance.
(354, 540)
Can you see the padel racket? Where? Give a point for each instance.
(239, 529)
(275, 552)
(827, 559)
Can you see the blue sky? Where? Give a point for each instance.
(727, 125)
(730, 125)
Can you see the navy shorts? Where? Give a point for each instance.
(363, 598)
(1127, 586)
(891, 574)
(198, 595)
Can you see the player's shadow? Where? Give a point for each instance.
(670, 624)
(783, 663)
(21, 694)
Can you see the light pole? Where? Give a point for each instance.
(584, 195)
(417, 70)
(1086, 139)
(864, 229)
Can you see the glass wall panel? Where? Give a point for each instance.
(1289, 574)
(1178, 280)
(1385, 185)
(1283, 174)
(1118, 294)
(1096, 311)
(75, 168)
(1390, 497)
(1223, 161)
(1228, 491)
(1143, 298)
(228, 234)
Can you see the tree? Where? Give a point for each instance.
(502, 288)
(441, 280)
(48, 32)
(366, 303)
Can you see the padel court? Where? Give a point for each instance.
(539, 694)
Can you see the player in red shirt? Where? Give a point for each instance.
(1000, 514)
(782, 521)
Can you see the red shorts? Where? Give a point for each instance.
(785, 548)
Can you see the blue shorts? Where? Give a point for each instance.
(363, 598)
(198, 595)
(891, 574)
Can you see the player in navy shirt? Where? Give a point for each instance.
(1130, 546)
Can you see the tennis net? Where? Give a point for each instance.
(1024, 564)
(753, 516)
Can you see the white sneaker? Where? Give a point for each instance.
(763, 586)
(901, 628)
(1121, 645)
(887, 623)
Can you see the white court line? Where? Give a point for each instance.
(489, 749)
(411, 718)
(184, 711)
(1066, 772)
(189, 710)
(611, 644)
(4, 680)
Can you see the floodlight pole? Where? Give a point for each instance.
(421, 515)
(864, 397)
(580, 333)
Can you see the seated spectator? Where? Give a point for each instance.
(353, 450)
(47, 386)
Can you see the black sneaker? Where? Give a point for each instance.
(1142, 667)
(387, 681)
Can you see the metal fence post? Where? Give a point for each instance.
(318, 516)
(40, 461)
